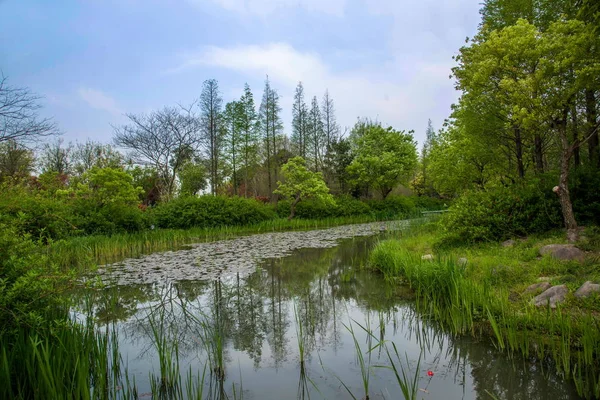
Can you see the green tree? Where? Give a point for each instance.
(192, 178)
(212, 132)
(316, 134)
(104, 186)
(270, 126)
(16, 161)
(384, 157)
(249, 137)
(300, 183)
(233, 120)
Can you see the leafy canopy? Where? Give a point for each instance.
(300, 183)
(384, 158)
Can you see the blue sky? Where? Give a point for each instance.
(94, 60)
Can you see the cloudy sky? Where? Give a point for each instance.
(94, 60)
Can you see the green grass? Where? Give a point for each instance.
(485, 298)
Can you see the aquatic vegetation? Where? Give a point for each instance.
(471, 299)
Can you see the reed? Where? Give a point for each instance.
(469, 300)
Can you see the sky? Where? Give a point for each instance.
(95, 60)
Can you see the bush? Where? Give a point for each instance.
(393, 206)
(27, 281)
(500, 213)
(210, 211)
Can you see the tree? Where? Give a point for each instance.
(337, 160)
(56, 158)
(317, 139)
(19, 115)
(330, 126)
(162, 139)
(93, 154)
(249, 137)
(270, 126)
(300, 122)
(212, 129)
(104, 186)
(192, 178)
(384, 157)
(233, 120)
(16, 161)
(300, 183)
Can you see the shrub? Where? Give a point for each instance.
(393, 206)
(585, 194)
(210, 211)
(27, 281)
(500, 213)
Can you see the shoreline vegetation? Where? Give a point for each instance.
(483, 290)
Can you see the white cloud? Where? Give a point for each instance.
(99, 100)
(266, 7)
(403, 96)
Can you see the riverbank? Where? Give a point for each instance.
(486, 291)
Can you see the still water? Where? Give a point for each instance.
(289, 324)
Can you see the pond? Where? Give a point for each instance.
(295, 315)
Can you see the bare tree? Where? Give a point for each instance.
(164, 139)
(19, 119)
(93, 154)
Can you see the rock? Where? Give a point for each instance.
(563, 252)
(552, 296)
(587, 289)
(427, 257)
(508, 243)
(462, 261)
(537, 287)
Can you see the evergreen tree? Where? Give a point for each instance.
(211, 129)
(300, 123)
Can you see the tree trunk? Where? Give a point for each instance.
(591, 115)
(538, 154)
(519, 152)
(563, 184)
(576, 157)
(293, 208)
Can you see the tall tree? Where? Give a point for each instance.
(233, 119)
(316, 135)
(210, 104)
(249, 137)
(269, 125)
(330, 125)
(300, 122)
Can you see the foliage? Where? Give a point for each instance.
(501, 213)
(210, 211)
(300, 183)
(384, 157)
(28, 281)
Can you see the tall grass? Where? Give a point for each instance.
(465, 305)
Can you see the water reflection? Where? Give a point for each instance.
(282, 332)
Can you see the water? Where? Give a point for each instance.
(267, 306)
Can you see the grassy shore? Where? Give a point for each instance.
(486, 296)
